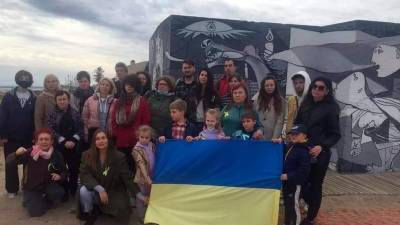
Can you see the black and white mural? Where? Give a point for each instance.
(361, 57)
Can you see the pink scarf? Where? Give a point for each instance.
(38, 152)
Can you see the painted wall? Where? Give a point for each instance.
(361, 57)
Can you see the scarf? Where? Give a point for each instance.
(38, 152)
(83, 95)
(121, 114)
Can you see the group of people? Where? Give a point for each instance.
(99, 144)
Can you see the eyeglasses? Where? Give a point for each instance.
(162, 84)
(319, 87)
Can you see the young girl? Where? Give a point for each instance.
(212, 129)
(143, 154)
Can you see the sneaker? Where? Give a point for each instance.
(307, 222)
(11, 195)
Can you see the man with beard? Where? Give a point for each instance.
(17, 124)
(185, 88)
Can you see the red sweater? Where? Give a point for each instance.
(126, 135)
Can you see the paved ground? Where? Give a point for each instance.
(363, 200)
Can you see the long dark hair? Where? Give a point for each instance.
(205, 92)
(147, 86)
(264, 98)
(309, 99)
(92, 155)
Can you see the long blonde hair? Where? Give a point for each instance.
(215, 112)
(49, 76)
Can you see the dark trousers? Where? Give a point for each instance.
(312, 192)
(72, 159)
(11, 170)
(129, 158)
(38, 202)
(291, 197)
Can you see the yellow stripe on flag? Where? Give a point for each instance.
(178, 204)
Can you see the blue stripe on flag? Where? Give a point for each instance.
(233, 163)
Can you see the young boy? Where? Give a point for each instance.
(249, 120)
(296, 169)
(180, 128)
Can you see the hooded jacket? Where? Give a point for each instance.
(294, 101)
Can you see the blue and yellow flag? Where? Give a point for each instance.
(216, 182)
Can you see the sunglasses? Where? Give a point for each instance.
(319, 87)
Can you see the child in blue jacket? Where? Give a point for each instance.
(296, 169)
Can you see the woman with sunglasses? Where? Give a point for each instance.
(319, 112)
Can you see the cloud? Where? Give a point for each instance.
(64, 37)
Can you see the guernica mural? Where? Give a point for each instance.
(361, 57)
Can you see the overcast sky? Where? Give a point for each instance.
(63, 37)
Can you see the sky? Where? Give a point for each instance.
(64, 37)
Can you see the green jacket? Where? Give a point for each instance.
(231, 119)
(115, 178)
(159, 109)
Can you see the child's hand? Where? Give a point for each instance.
(196, 138)
(161, 139)
(284, 176)
(227, 137)
(189, 138)
(276, 140)
(146, 201)
(258, 135)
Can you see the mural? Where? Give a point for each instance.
(361, 57)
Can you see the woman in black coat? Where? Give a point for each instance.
(44, 173)
(319, 112)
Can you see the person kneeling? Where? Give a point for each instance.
(106, 181)
(44, 173)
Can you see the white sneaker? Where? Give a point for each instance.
(11, 195)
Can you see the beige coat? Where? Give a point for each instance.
(45, 103)
(272, 122)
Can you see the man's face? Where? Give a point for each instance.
(188, 70)
(229, 68)
(298, 85)
(121, 72)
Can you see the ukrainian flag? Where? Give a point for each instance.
(216, 182)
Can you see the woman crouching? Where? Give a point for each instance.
(106, 181)
(44, 173)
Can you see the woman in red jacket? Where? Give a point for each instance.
(130, 112)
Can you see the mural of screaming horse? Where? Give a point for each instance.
(361, 57)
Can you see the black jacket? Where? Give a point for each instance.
(56, 165)
(322, 122)
(297, 164)
(16, 123)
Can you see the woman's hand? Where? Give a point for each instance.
(315, 151)
(104, 197)
(55, 177)
(69, 144)
(276, 140)
(20, 151)
(284, 176)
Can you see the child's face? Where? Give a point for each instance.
(248, 124)
(144, 138)
(298, 138)
(177, 115)
(211, 121)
